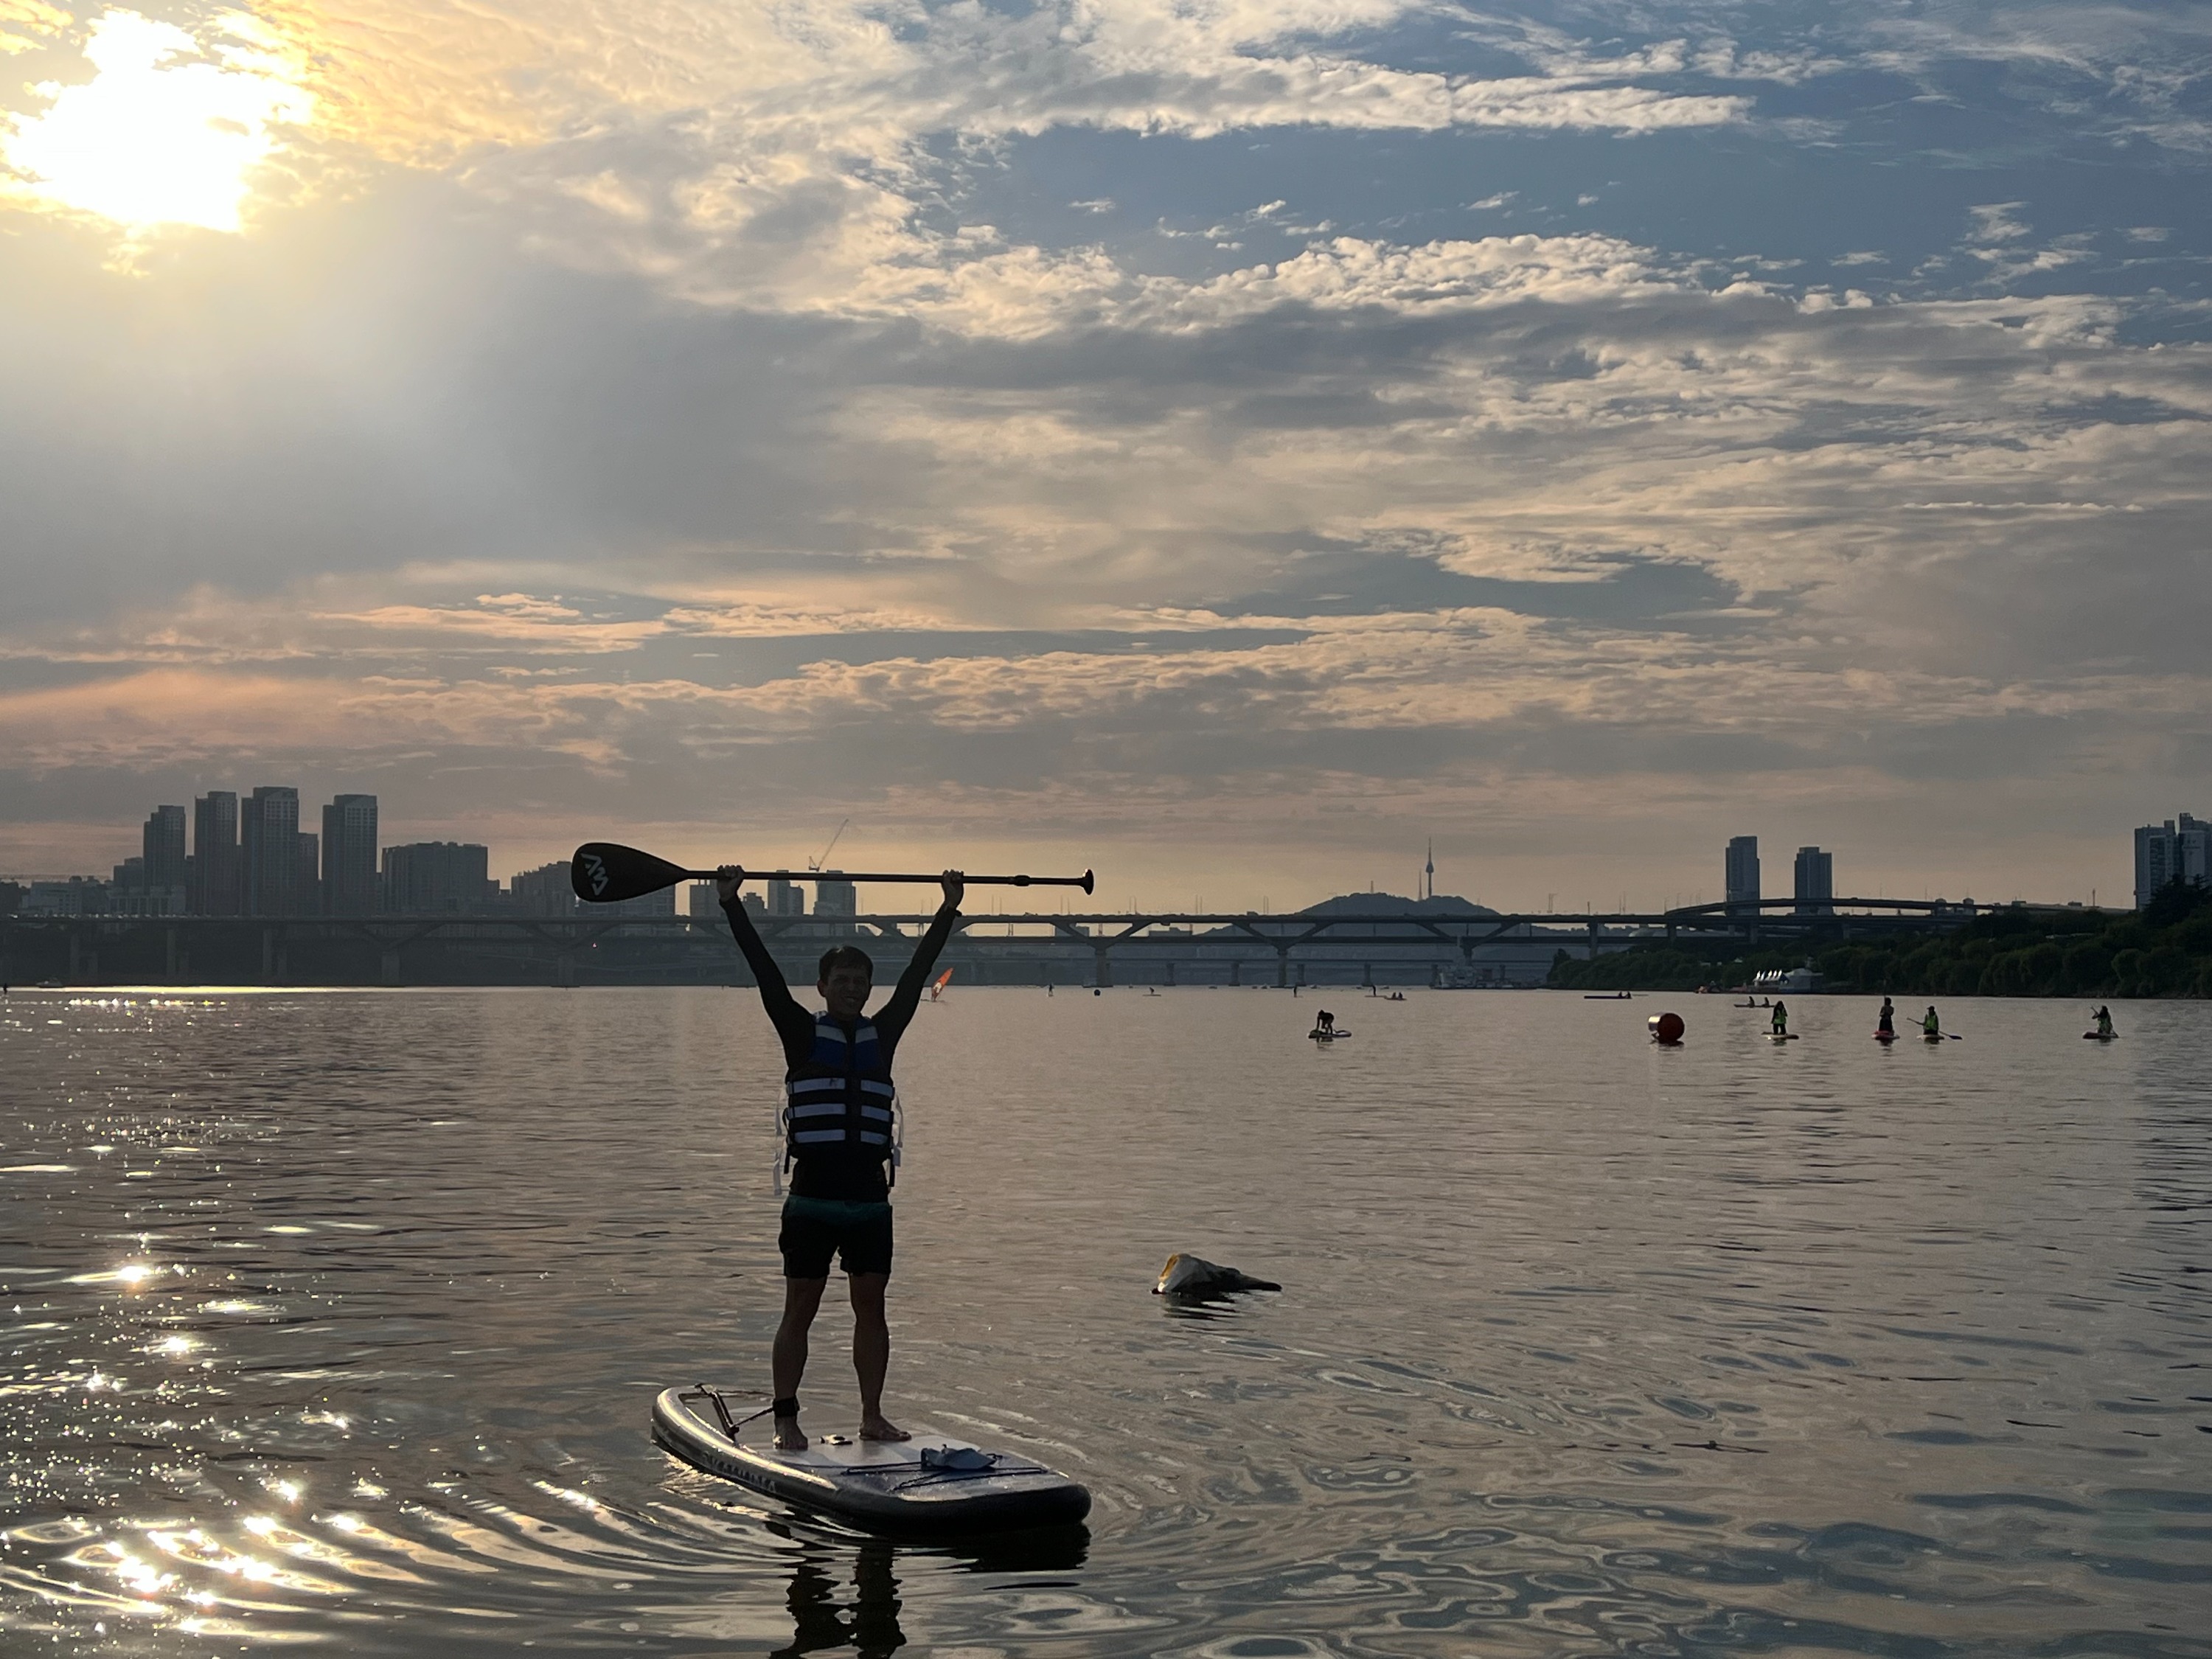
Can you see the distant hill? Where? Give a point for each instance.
(1392, 904)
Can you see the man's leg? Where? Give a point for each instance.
(801, 1297)
(871, 1353)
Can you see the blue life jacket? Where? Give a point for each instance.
(841, 1096)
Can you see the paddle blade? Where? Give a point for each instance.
(1087, 881)
(603, 873)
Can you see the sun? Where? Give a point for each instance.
(168, 132)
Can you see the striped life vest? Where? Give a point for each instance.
(843, 1097)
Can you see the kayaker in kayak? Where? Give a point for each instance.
(839, 1120)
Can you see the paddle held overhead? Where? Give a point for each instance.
(603, 873)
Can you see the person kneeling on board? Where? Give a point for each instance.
(839, 1144)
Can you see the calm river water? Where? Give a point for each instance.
(336, 1318)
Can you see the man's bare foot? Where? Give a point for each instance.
(787, 1435)
(879, 1427)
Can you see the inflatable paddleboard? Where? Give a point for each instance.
(1330, 1037)
(1783, 1036)
(2100, 1036)
(927, 1484)
(1885, 1036)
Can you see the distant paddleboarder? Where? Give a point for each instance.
(1930, 1027)
(1781, 1017)
(2104, 1024)
(840, 1145)
(1886, 1023)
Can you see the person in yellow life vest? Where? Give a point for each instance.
(1781, 1017)
(1929, 1025)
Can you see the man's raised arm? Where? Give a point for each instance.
(783, 1009)
(891, 1019)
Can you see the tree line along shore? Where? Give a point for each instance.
(2163, 950)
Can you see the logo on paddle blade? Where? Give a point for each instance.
(595, 871)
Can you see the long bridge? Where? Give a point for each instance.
(1219, 947)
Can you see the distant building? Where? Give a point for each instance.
(132, 893)
(268, 851)
(834, 897)
(1816, 882)
(786, 898)
(2177, 850)
(162, 848)
(215, 888)
(438, 879)
(349, 884)
(79, 895)
(543, 892)
(307, 886)
(1742, 884)
(704, 906)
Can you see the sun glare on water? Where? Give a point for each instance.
(168, 132)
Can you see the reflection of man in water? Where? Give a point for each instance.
(818, 1624)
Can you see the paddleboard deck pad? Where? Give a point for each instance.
(928, 1484)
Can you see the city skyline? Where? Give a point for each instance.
(347, 871)
(1224, 446)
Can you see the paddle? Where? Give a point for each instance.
(603, 873)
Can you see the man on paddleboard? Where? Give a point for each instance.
(1886, 1024)
(839, 1129)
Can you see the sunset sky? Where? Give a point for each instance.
(1227, 444)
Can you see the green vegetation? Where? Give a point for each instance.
(2164, 950)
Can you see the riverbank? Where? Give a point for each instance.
(2163, 949)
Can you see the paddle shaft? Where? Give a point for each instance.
(846, 875)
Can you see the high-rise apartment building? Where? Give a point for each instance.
(1815, 882)
(786, 898)
(162, 847)
(2177, 850)
(216, 889)
(1742, 882)
(349, 883)
(269, 850)
(836, 897)
(308, 884)
(438, 877)
(543, 892)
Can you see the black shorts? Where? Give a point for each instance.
(815, 1229)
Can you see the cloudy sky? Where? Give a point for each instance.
(1228, 443)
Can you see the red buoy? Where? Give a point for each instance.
(1666, 1028)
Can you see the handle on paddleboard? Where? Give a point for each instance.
(606, 872)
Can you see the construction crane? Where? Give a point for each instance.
(816, 864)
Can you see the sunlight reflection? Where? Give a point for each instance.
(167, 131)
